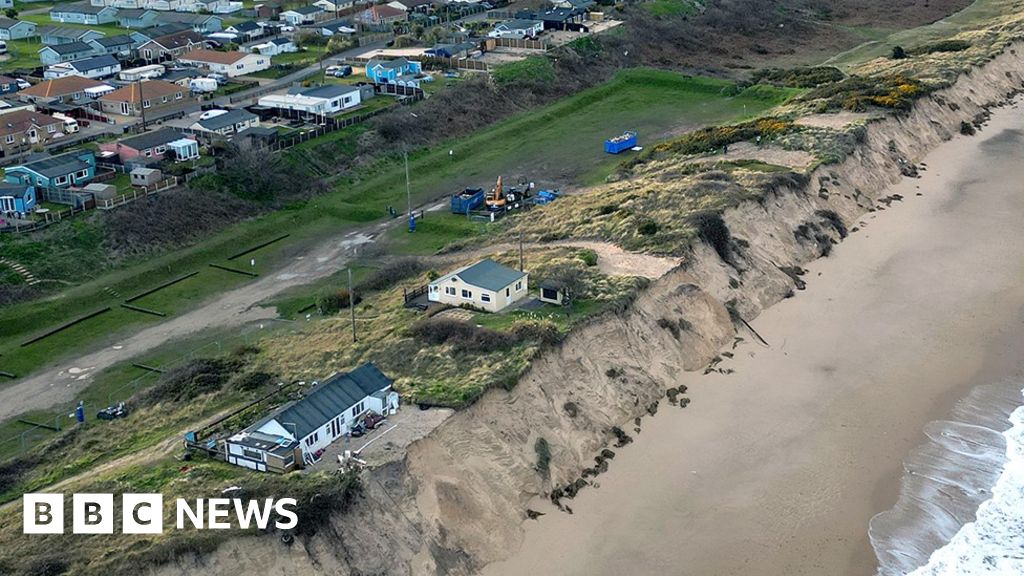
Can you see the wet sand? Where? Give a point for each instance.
(779, 467)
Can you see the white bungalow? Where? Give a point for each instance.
(485, 285)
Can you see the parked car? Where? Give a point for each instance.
(341, 71)
(220, 78)
(23, 84)
(113, 412)
(3, 47)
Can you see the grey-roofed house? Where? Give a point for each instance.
(247, 29)
(69, 52)
(301, 15)
(72, 168)
(16, 29)
(153, 145)
(83, 13)
(298, 432)
(201, 23)
(333, 27)
(53, 35)
(232, 122)
(486, 285)
(136, 17)
(94, 67)
(120, 45)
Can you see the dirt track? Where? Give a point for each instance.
(237, 307)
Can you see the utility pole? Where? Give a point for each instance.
(522, 267)
(142, 104)
(351, 304)
(408, 188)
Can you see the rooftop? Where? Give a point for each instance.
(224, 120)
(94, 63)
(146, 140)
(134, 91)
(332, 397)
(54, 166)
(486, 274)
(325, 91)
(62, 86)
(77, 8)
(110, 41)
(203, 55)
(7, 23)
(69, 48)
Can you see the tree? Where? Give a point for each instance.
(11, 13)
(898, 53)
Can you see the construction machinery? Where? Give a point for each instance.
(496, 197)
(500, 198)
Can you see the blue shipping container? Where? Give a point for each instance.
(468, 200)
(625, 141)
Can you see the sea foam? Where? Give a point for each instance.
(961, 505)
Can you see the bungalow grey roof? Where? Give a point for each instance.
(280, 41)
(306, 10)
(7, 23)
(64, 31)
(164, 30)
(151, 139)
(489, 275)
(336, 25)
(13, 190)
(520, 24)
(131, 12)
(70, 48)
(175, 75)
(247, 26)
(326, 91)
(59, 165)
(185, 18)
(114, 41)
(334, 396)
(94, 63)
(224, 120)
(78, 8)
(397, 63)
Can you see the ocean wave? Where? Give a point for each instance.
(961, 505)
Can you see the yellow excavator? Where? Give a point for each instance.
(496, 197)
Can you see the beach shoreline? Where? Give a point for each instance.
(911, 312)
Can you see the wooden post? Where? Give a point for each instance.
(351, 304)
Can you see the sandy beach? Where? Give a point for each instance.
(779, 467)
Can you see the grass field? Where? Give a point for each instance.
(561, 143)
(970, 18)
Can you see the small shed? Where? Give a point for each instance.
(146, 176)
(101, 191)
(552, 292)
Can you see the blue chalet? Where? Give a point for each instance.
(17, 198)
(8, 85)
(52, 35)
(137, 17)
(391, 71)
(71, 168)
(83, 13)
(58, 53)
(16, 29)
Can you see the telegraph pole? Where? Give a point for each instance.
(408, 188)
(522, 267)
(351, 304)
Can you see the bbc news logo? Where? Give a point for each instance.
(144, 513)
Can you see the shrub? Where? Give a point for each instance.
(530, 71)
(967, 129)
(333, 302)
(589, 257)
(463, 336)
(804, 77)
(898, 53)
(715, 137)
(942, 46)
(543, 450)
(647, 227)
(198, 377)
(391, 274)
(713, 230)
(544, 332)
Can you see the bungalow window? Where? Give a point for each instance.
(519, 286)
(177, 96)
(82, 174)
(161, 149)
(163, 99)
(239, 66)
(467, 294)
(124, 108)
(9, 139)
(358, 409)
(61, 180)
(32, 133)
(147, 152)
(508, 292)
(449, 290)
(51, 128)
(252, 454)
(146, 103)
(485, 297)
